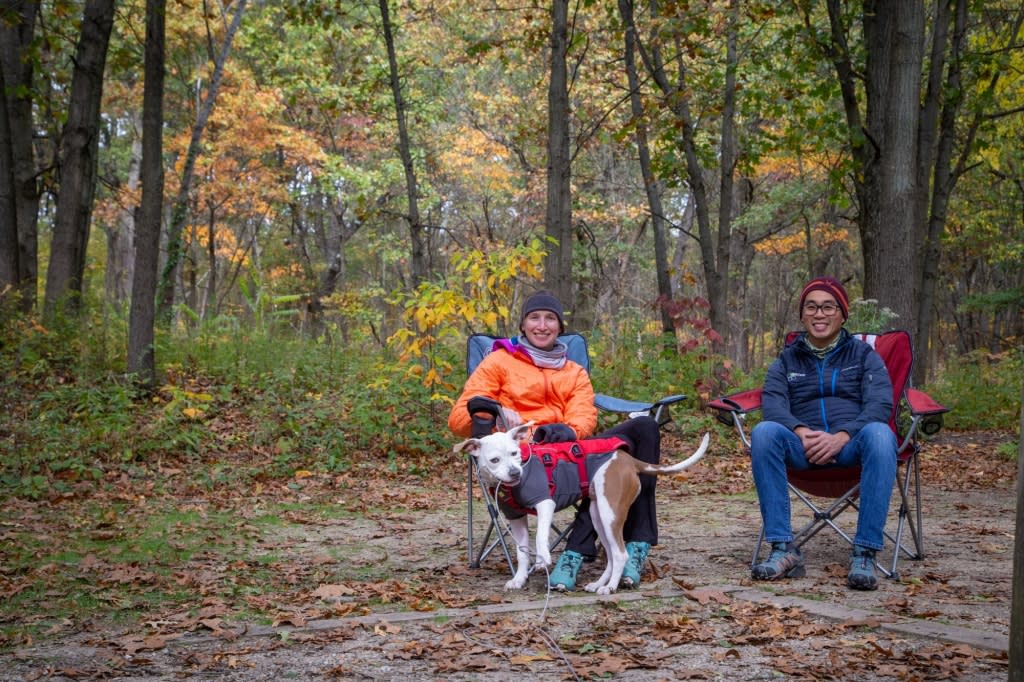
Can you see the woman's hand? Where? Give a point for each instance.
(510, 418)
(554, 433)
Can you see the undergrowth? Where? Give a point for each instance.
(279, 402)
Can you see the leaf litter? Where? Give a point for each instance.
(337, 597)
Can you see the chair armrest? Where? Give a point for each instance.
(741, 403)
(926, 414)
(658, 409)
(732, 410)
(923, 404)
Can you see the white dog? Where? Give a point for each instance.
(614, 485)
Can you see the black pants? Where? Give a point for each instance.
(644, 439)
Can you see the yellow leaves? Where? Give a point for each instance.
(478, 162)
(991, 156)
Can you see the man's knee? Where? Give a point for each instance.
(878, 438)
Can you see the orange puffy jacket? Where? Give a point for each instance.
(544, 396)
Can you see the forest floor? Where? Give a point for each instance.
(389, 595)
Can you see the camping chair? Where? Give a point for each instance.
(841, 485)
(477, 347)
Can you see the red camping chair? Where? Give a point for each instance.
(841, 485)
(477, 347)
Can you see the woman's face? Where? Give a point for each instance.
(540, 327)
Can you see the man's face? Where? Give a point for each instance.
(822, 318)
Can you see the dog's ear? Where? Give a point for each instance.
(470, 444)
(521, 432)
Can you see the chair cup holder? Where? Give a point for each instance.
(931, 425)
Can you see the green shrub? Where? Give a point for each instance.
(983, 390)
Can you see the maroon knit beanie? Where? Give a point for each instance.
(829, 285)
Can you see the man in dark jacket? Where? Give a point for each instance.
(826, 402)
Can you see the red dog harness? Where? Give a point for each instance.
(556, 471)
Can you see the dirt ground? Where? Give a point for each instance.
(697, 615)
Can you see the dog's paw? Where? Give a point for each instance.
(514, 584)
(592, 587)
(543, 560)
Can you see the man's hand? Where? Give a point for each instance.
(822, 447)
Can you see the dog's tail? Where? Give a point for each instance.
(645, 468)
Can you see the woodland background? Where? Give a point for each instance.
(343, 168)
(247, 240)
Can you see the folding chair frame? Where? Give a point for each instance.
(925, 418)
(477, 347)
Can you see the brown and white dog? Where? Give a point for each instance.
(613, 488)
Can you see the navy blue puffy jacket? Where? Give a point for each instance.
(845, 391)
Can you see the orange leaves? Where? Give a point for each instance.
(822, 236)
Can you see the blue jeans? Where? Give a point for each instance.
(773, 448)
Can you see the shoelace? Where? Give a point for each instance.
(636, 561)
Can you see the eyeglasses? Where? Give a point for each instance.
(828, 309)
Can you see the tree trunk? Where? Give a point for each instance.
(1017, 601)
(78, 162)
(210, 305)
(141, 357)
(18, 75)
(418, 263)
(652, 185)
(179, 211)
(558, 216)
(894, 37)
(676, 100)
(722, 321)
(9, 256)
(120, 268)
(940, 168)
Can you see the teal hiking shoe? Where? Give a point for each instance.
(862, 569)
(637, 552)
(783, 562)
(563, 575)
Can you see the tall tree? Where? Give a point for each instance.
(78, 161)
(418, 262)
(1017, 599)
(715, 245)
(558, 219)
(141, 333)
(652, 185)
(179, 211)
(17, 32)
(9, 271)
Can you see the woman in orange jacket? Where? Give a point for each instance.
(529, 378)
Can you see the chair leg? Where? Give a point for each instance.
(469, 515)
(494, 526)
(757, 549)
